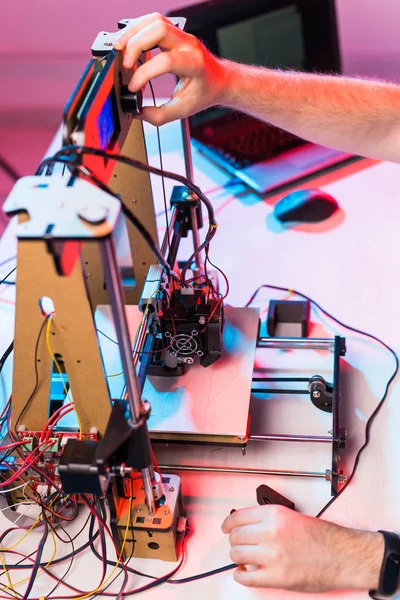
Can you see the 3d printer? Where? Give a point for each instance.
(71, 214)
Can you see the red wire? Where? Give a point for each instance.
(14, 445)
(53, 416)
(118, 553)
(60, 416)
(28, 461)
(157, 468)
(108, 594)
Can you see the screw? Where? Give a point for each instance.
(138, 510)
(146, 408)
(149, 519)
(316, 394)
(166, 512)
(171, 489)
(202, 320)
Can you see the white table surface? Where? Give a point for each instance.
(350, 265)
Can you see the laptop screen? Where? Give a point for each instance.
(298, 35)
(274, 40)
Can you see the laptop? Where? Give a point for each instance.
(286, 34)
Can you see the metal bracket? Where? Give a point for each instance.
(61, 211)
(104, 42)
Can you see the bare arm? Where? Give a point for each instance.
(354, 115)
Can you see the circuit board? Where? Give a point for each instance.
(49, 461)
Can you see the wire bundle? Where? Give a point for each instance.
(53, 514)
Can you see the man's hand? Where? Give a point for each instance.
(201, 74)
(276, 547)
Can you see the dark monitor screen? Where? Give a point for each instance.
(295, 34)
(298, 35)
(274, 39)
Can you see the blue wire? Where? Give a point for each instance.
(106, 336)
(36, 565)
(7, 261)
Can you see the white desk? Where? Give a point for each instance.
(350, 265)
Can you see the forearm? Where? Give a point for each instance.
(359, 558)
(353, 115)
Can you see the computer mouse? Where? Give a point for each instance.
(305, 206)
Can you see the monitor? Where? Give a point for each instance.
(294, 34)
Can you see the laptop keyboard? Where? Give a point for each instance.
(248, 147)
(242, 142)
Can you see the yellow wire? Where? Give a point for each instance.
(23, 537)
(59, 370)
(48, 564)
(11, 585)
(27, 532)
(120, 554)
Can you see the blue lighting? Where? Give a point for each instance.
(106, 124)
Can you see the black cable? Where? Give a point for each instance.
(75, 152)
(219, 270)
(5, 589)
(36, 375)
(161, 167)
(72, 155)
(9, 169)
(125, 563)
(18, 565)
(59, 157)
(156, 251)
(71, 541)
(80, 150)
(367, 428)
(6, 355)
(175, 581)
(36, 565)
(210, 234)
(8, 275)
(203, 575)
(102, 524)
(132, 218)
(102, 537)
(18, 450)
(387, 387)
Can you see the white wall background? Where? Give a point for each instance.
(370, 37)
(44, 45)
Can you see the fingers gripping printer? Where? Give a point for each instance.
(71, 214)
